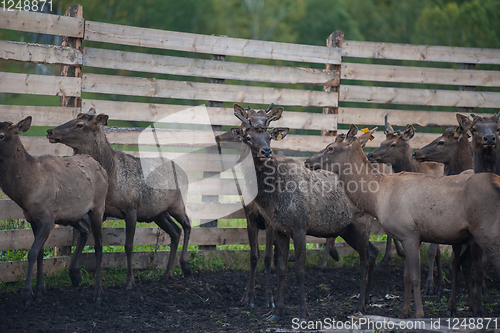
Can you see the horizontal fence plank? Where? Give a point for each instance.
(420, 52)
(180, 41)
(429, 97)
(136, 86)
(153, 63)
(40, 53)
(42, 115)
(205, 116)
(38, 146)
(40, 84)
(385, 73)
(23, 239)
(41, 23)
(367, 116)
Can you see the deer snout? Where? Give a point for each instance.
(369, 156)
(489, 139)
(49, 135)
(266, 152)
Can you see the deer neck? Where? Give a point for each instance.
(462, 159)
(406, 163)
(97, 146)
(486, 163)
(361, 181)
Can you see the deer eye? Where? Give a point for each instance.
(330, 148)
(2, 136)
(79, 125)
(393, 144)
(473, 129)
(440, 143)
(248, 138)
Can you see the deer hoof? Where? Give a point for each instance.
(27, 297)
(273, 318)
(76, 277)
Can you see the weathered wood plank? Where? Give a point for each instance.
(419, 96)
(38, 146)
(367, 116)
(9, 210)
(42, 115)
(14, 270)
(385, 73)
(41, 23)
(39, 84)
(153, 63)
(23, 239)
(420, 52)
(135, 86)
(206, 115)
(39, 53)
(180, 41)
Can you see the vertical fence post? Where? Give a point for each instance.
(70, 71)
(334, 40)
(466, 88)
(212, 150)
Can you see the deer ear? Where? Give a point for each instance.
(237, 133)
(279, 133)
(240, 110)
(22, 126)
(363, 138)
(497, 117)
(339, 138)
(464, 121)
(409, 132)
(80, 115)
(101, 119)
(276, 113)
(351, 135)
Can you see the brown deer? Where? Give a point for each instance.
(414, 207)
(296, 201)
(485, 141)
(130, 195)
(396, 150)
(53, 190)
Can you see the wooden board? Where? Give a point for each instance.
(23, 239)
(180, 41)
(42, 115)
(367, 116)
(201, 114)
(41, 23)
(420, 52)
(385, 73)
(419, 96)
(153, 63)
(40, 84)
(39, 53)
(150, 87)
(38, 146)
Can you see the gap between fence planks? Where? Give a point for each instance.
(150, 87)
(426, 75)
(40, 53)
(142, 62)
(41, 23)
(39, 84)
(364, 94)
(376, 50)
(181, 41)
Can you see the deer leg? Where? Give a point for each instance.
(455, 267)
(267, 264)
(282, 249)
(96, 218)
(130, 222)
(439, 269)
(477, 256)
(412, 279)
(253, 233)
(429, 285)
(41, 231)
(329, 250)
(168, 225)
(387, 255)
(299, 242)
(399, 249)
(179, 213)
(82, 227)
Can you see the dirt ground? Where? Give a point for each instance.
(210, 302)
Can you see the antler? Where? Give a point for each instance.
(388, 127)
(242, 118)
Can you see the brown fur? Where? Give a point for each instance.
(415, 207)
(130, 196)
(53, 190)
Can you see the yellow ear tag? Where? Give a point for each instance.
(366, 130)
(279, 137)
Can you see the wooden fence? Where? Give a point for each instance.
(368, 80)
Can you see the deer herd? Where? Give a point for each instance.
(445, 193)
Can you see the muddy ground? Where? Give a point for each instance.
(210, 302)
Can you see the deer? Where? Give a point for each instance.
(396, 150)
(485, 141)
(453, 149)
(53, 190)
(318, 208)
(414, 207)
(131, 196)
